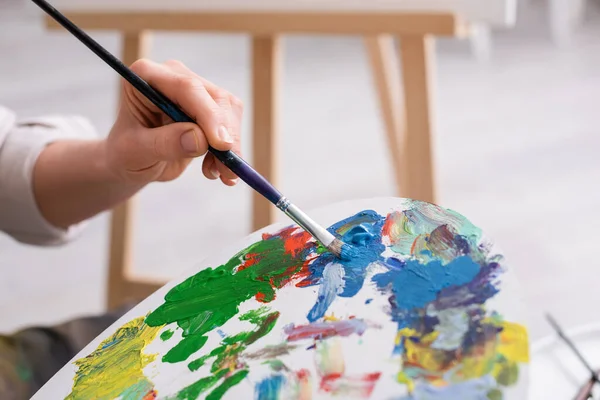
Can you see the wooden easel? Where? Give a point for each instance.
(408, 119)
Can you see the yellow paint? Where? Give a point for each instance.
(496, 356)
(479, 363)
(406, 380)
(116, 366)
(513, 343)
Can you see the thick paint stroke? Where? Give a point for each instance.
(115, 368)
(366, 238)
(414, 285)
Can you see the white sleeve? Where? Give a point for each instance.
(21, 142)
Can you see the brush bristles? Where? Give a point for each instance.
(336, 247)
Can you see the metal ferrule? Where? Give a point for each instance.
(283, 204)
(316, 230)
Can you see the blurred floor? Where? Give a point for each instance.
(517, 153)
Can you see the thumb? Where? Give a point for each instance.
(175, 141)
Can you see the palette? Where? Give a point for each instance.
(428, 310)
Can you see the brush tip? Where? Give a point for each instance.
(342, 250)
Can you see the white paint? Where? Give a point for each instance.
(454, 323)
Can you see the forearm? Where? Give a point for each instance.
(72, 183)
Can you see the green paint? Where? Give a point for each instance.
(166, 335)
(276, 365)
(198, 363)
(210, 298)
(256, 317)
(495, 394)
(226, 357)
(193, 391)
(508, 374)
(185, 348)
(230, 382)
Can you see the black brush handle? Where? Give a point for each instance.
(231, 160)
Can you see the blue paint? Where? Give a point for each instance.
(268, 388)
(362, 233)
(368, 301)
(472, 389)
(478, 291)
(415, 285)
(333, 284)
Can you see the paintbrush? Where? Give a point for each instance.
(569, 343)
(231, 160)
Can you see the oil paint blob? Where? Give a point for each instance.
(410, 316)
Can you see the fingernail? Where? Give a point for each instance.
(214, 171)
(224, 135)
(189, 142)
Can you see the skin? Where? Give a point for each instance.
(74, 180)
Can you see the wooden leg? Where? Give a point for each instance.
(417, 55)
(386, 76)
(120, 263)
(266, 60)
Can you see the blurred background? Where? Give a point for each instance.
(517, 152)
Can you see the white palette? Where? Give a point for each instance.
(334, 364)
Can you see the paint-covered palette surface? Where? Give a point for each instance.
(426, 310)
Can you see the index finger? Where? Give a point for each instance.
(189, 93)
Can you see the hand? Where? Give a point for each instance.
(145, 145)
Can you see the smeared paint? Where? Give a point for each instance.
(331, 286)
(227, 362)
(324, 330)
(453, 325)
(436, 285)
(332, 370)
(414, 285)
(268, 388)
(271, 352)
(115, 368)
(473, 389)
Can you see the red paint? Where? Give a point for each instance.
(362, 384)
(303, 375)
(328, 381)
(153, 394)
(261, 297)
(294, 244)
(305, 273)
(323, 330)
(387, 227)
(249, 260)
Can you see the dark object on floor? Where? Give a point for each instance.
(30, 357)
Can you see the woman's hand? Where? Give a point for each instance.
(144, 145)
(73, 180)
